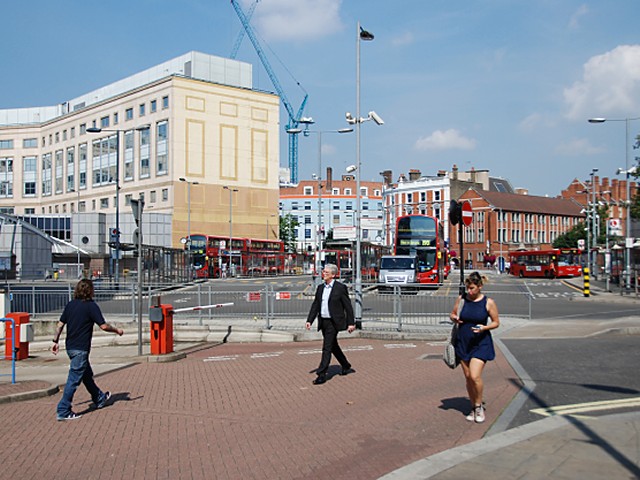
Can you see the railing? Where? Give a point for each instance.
(264, 307)
(13, 349)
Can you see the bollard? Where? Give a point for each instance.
(23, 335)
(161, 330)
(585, 272)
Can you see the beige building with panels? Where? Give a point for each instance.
(194, 117)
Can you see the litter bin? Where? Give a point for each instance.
(23, 335)
(161, 329)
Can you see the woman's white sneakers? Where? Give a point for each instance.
(476, 415)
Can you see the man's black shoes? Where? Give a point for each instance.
(320, 379)
(347, 371)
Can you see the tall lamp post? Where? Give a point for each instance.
(628, 239)
(231, 190)
(188, 237)
(306, 132)
(594, 235)
(117, 173)
(361, 34)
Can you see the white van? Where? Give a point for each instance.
(397, 270)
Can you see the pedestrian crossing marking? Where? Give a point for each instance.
(577, 408)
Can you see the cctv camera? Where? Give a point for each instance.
(619, 171)
(351, 168)
(350, 119)
(376, 118)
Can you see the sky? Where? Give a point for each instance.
(499, 85)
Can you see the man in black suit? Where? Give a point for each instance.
(332, 307)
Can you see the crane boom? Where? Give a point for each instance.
(236, 46)
(294, 117)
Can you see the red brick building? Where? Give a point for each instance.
(503, 222)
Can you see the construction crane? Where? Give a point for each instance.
(236, 46)
(294, 117)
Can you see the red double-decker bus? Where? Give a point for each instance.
(422, 236)
(212, 256)
(558, 262)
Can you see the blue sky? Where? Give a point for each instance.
(503, 85)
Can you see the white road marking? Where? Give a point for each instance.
(587, 407)
(222, 358)
(400, 345)
(266, 355)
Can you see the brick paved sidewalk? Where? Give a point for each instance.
(250, 411)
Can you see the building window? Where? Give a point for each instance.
(64, 135)
(165, 194)
(294, 205)
(115, 118)
(347, 191)
(72, 132)
(152, 196)
(30, 143)
(104, 203)
(6, 177)
(82, 166)
(129, 161)
(377, 193)
(336, 205)
(141, 111)
(104, 122)
(165, 102)
(153, 105)
(423, 197)
(365, 205)
(436, 196)
(307, 205)
(71, 169)
(128, 114)
(336, 219)
(145, 139)
(335, 191)
(29, 176)
(59, 170)
(83, 128)
(308, 190)
(349, 205)
(6, 144)
(46, 174)
(162, 134)
(103, 163)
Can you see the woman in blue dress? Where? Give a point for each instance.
(474, 345)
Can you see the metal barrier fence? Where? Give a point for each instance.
(13, 349)
(264, 307)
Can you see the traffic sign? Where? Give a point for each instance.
(283, 295)
(253, 296)
(467, 214)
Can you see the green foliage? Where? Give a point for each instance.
(570, 239)
(288, 225)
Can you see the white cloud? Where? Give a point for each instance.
(406, 38)
(299, 20)
(578, 146)
(610, 85)
(445, 140)
(574, 21)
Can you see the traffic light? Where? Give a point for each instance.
(113, 237)
(455, 212)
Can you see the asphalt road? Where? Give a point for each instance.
(569, 371)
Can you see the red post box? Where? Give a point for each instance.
(161, 330)
(23, 335)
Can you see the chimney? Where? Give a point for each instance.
(414, 174)
(454, 173)
(329, 182)
(473, 175)
(386, 177)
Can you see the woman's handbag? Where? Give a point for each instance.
(449, 355)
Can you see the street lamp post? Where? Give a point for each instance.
(231, 190)
(306, 132)
(117, 173)
(594, 235)
(188, 237)
(628, 239)
(361, 34)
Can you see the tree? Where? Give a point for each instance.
(288, 225)
(570, 239)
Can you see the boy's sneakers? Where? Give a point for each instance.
(69, 416)
(103, 401)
